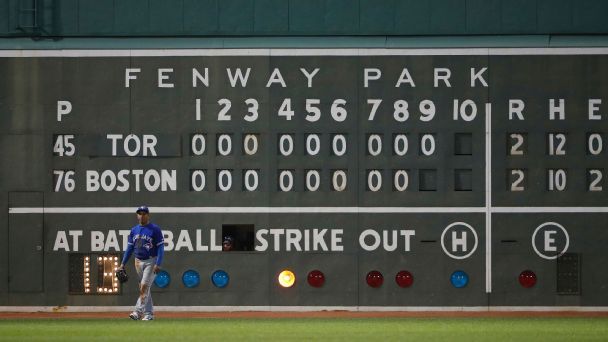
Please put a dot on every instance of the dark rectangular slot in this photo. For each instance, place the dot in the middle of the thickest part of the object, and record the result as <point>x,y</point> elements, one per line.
<point>237,237</point>
<point>569,274</point>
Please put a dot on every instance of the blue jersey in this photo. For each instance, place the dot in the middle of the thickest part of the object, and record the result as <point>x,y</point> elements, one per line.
<point>145,242</point>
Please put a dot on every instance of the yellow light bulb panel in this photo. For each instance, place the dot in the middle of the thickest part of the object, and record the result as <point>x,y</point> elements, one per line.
<point>93,274</point>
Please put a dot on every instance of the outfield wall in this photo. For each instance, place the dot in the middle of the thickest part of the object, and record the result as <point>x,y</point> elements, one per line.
<point>486,161</point>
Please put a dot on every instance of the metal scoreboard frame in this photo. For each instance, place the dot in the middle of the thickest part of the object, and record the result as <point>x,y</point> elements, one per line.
<point>388,159</point>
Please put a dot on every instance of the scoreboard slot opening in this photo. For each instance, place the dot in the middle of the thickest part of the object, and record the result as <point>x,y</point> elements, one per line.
<point>237,237</point>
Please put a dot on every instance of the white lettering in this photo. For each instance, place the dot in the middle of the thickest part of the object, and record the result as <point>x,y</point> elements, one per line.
<point>260,237</point>
<point>405,77</point>
<point>309,76</point>
<point>557,109</point>
<point>162,77</point>
<point>594,107</point>
<point>459,241</point>
<point>153,180</point>
<point>276,77</point>
<point>63,108</point>
<point>550,241</point>
<point>148,141</point>
<point>197,76</point>
<point>336,240</point>
<point>124,234</point>
<point>213,241</point>
<point>61,242</point>
<point>168,238</point>
<point>129,77</point>
<point>442,74</point>
<point>375,240</point>
<point>478,76</point>
<point>111,241</point>
<point>238,76</point>
<point>183,241</point>
<point>75,234</point>
<point>516,107</point>
<point>293,238</point>
<point>97,239</point>
<point>199,240</point>
<point>407,234</point>
<point>370,74</point>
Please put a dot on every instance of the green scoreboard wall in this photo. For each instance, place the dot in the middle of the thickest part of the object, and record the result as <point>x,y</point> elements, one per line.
<point>475,177</point>
<point>251,18</point>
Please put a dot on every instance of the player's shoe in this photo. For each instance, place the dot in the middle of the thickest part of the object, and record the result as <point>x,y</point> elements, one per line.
<point>148,318</point>
<point>134,315</point>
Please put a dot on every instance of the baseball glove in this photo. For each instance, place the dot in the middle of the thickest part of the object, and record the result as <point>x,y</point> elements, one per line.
<point>122,275</point>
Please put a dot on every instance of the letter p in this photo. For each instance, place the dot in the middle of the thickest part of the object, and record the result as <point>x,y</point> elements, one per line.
<point>63,108</point>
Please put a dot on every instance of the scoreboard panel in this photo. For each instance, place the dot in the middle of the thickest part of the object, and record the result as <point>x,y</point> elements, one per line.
<point>480,173</point>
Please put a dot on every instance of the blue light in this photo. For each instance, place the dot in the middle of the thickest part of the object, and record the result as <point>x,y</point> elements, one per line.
<point>459,279</point>
<point>220,278</point>
<point>191,278</point>
<point>163,279</point>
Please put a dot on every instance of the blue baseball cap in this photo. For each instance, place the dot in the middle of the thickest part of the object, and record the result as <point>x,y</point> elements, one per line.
<point>144,209</point>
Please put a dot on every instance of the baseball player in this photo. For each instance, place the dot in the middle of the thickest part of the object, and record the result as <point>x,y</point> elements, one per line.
<point>147,243</point>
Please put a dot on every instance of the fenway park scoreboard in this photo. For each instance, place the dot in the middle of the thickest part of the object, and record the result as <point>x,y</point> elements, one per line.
<point>373,178</point>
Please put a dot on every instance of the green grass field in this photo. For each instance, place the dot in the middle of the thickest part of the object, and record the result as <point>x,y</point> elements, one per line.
<point>317,329</point>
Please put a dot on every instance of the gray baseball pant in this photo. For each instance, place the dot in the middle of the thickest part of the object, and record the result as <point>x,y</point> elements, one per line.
<point>145,272</point>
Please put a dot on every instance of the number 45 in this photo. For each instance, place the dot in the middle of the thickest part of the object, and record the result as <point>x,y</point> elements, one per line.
<point>63,145</point>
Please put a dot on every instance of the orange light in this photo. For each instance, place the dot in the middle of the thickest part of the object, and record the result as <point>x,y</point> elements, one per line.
<point>287,278</point>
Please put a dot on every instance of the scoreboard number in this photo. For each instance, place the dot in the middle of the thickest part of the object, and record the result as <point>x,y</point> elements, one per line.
<point>400,145</point>
<point>338,180</point>
<point>63,145</point>
<point>222,115</point>
<point>313,180</point>
<point>63,180</point>
<point>224,144</point>
<point>595,144</point>
<point>197,144</point>
<point>516,143</point>
<point>401,180</point>
<point>338,145</point>
<point>313,144</point>
<point>251,180</point>
<point>595,178</point>
<point>224,180</point>
<point>252,110</point>
<point>517,180</point>
<point>197,180</point>
<point>557,179</point>
<point>314,112</point>
<point>557,143</point>
<point>250,144</point>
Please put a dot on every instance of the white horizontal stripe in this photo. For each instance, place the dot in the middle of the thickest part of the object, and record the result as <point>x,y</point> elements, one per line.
<point>309,308</point>
<point>523,210</point>
<point>303,52</point>
<point>304,210</point>
<point>246,210</point>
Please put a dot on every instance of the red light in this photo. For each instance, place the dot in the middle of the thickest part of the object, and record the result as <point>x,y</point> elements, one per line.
<point>374,279</point>
<point>316,278</point>
<point>527,279</point>
<point>404,279</point>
